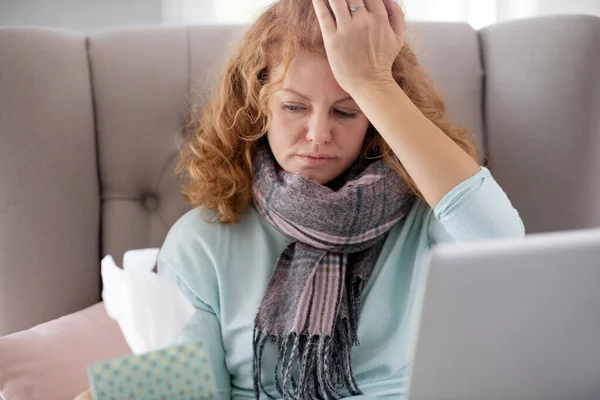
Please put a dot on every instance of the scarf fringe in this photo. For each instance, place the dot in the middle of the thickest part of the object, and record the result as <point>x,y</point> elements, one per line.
<point>324,365</point>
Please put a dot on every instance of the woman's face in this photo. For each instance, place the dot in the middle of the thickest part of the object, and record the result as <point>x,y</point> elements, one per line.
<point>316,130</point>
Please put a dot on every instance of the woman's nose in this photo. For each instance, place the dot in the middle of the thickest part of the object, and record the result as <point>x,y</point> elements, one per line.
<point>319,130</point>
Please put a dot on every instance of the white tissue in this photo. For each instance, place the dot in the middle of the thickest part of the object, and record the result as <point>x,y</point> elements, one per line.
<point>150,309</point>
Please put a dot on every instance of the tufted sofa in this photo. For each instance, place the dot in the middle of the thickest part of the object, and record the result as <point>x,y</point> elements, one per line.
<point>90,126</point>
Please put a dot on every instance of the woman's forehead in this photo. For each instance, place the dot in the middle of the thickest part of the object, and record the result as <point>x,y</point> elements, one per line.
<point>310,77</point>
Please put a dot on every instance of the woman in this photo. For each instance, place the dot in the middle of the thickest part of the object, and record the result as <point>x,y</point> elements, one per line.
<point>321,171</point>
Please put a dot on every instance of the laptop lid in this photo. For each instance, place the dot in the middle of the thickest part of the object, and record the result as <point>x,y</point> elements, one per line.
<point>511,319</point>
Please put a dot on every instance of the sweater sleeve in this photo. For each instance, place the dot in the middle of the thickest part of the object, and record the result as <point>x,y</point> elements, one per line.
<point>477,208</point>
<point>177,261</point>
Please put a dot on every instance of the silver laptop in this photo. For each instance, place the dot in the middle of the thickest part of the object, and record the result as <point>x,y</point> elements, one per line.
<point>511,319</point>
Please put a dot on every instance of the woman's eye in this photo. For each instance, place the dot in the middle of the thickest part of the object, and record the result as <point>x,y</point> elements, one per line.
<point>340,113</point>
<point>292,108</point>
<point>345,114</point>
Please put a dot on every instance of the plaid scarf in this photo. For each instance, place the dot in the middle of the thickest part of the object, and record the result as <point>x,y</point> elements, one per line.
<point>311,306</point>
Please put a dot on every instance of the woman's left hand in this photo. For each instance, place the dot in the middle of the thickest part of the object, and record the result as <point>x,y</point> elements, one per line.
<point>362,45</point>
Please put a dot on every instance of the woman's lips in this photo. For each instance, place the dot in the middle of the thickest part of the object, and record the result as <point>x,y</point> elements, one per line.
<point>315,161</point>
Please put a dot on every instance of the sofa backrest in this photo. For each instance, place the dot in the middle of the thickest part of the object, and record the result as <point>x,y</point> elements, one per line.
<point>90,126</point>
<point>49,191</point>
<point>542,115</point>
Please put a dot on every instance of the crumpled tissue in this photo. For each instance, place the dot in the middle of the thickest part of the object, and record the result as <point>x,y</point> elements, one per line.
<point>150,310</point>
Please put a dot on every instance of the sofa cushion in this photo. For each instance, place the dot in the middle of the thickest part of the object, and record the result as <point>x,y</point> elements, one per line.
<point>49,361</point>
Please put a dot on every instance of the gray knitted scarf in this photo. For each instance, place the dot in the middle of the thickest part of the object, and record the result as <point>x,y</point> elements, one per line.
<point>311,306</point>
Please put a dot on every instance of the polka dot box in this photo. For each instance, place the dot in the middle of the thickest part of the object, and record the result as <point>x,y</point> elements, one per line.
<point>177,372</point>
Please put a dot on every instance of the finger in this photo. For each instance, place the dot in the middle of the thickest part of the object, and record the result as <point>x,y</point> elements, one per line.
<point>395,16</point>
<point>376,6</point>
<point>361,8</point>
<point>87,395</point>
<point>341,11</point>
<point>324,16</point>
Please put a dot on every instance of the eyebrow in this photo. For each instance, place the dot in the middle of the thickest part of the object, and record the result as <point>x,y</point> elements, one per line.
<point>306,97</point>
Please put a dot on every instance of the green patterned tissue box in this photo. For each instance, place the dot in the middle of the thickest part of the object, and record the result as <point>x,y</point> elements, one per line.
<point>177,372</point>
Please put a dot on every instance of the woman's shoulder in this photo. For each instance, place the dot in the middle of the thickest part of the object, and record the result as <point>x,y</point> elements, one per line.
<point>197,248</point>
<point>201,226</point>
<point>197,221</point>
<point>201,239</point>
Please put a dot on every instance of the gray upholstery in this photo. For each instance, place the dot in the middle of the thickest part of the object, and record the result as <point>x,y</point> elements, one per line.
<point>542,108</point>
<point>49,192</point>
<point>450,53</point>
<point>90,125</point>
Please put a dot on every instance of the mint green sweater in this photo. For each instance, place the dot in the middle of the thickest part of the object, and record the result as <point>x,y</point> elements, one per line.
<point>224,271</point>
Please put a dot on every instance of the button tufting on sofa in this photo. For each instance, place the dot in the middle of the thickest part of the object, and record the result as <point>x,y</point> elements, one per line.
<point>151,203</point>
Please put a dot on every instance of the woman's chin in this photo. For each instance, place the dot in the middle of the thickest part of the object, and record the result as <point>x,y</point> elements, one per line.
<point>315,175</point>
<point>312,177</point>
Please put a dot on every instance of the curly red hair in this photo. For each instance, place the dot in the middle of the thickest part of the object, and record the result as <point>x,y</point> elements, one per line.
<point>216,161</point>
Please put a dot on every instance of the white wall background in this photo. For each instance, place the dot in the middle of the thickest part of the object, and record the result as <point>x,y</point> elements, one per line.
<point>82,15</point>
<point>477,12</point>
<point>515,9</point>
<point>85,15</point>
